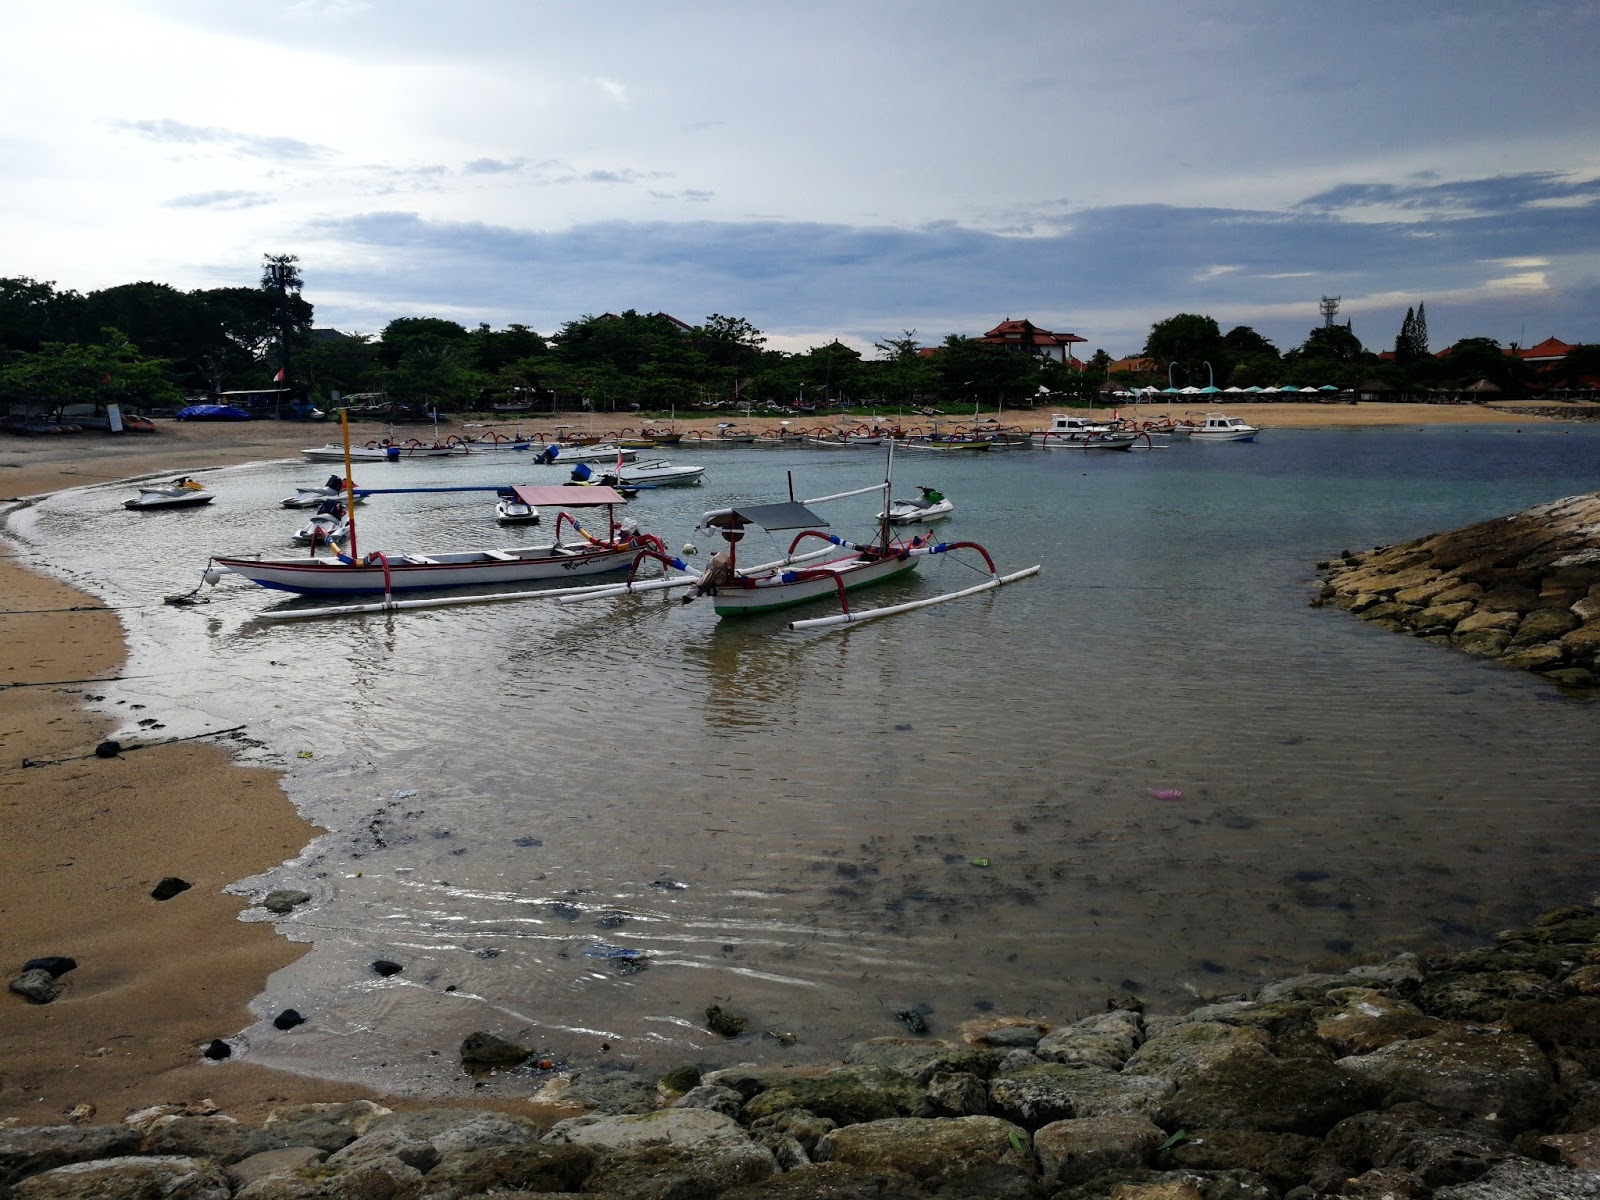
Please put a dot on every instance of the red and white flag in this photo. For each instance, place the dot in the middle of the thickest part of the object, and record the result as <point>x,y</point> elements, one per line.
<point>278,378</point>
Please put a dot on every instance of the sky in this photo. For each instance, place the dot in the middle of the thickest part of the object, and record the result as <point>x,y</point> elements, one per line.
<point>848,169</point>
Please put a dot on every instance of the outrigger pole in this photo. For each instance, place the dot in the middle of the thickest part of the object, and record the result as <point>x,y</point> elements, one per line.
<point>867,614</point>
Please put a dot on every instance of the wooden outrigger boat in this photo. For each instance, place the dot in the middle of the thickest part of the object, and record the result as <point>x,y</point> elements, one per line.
<point>799,577</point>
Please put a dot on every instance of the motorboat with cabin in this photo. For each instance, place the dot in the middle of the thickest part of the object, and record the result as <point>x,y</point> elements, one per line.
<point>1219,427</point>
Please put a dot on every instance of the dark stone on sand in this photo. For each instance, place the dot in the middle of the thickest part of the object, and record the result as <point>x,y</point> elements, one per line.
<point>37,987</point>
<point>217,1050</point>
<point>386,968</point>
<point>284,900</point>
<point>108,749</point>
<point>486,1050</point>
<point>725,1023</point>
<point>287,1019</point>
<point>57,965</point>
<point>169,887</point>
<point>912,1020</point>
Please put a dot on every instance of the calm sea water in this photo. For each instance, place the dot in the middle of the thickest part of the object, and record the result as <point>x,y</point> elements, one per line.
<point>786,824</point>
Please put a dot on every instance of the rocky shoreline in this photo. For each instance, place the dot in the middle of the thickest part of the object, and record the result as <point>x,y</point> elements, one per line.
<point>1471,1076</point>
<point>1523,590</point>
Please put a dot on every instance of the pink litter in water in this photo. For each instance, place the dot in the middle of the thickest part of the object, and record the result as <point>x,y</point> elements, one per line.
<point>1166,793</point>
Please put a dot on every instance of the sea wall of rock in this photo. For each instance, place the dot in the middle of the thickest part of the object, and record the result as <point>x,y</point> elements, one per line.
<point>1523,590</point>
<point>1472,1076</point>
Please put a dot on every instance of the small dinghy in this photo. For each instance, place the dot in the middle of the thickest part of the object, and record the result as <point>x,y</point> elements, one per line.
<point>330,523</point>
<point>931,505</point>
<point>511,509</point>
<point>311,497</point>
<point>182,492</point>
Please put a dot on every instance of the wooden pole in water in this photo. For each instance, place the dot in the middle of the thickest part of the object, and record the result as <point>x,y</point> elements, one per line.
<point>349,483</point>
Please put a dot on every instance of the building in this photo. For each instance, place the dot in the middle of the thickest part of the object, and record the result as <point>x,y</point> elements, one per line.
<point>1551,350</point>
<point>1026,337</point>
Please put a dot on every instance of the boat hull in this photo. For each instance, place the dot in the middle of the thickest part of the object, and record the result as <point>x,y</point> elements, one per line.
<point>159,503</point>
<point>1207,435</point>
<point>748,601</point>
<point>328,576</point>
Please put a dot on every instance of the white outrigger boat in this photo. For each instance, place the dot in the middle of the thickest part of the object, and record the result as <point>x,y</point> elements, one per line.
<point>386,451</point>
<point>182,492</point>
<point>380,572</point>
<point>798,578</point>
<point>930,505</point>
<point>1067,432</point>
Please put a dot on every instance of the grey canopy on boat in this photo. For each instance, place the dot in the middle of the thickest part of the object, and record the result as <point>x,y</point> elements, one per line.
<point>787,515</point>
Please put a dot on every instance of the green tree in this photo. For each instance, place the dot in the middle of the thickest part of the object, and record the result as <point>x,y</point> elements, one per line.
<point>112,369</point>
<point>1472,359</point>
<point>33,313</point>
<point>1190,341</point>
<point>1336,342</point>
<point>492,350</point>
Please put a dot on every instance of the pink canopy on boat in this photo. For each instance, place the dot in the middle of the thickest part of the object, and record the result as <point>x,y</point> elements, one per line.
<point>563,496</point>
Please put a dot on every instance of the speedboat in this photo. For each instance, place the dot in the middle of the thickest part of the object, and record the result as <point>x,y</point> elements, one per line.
<point>1068,430</point>
<point>1219,427</point>
<point>511,509</point>
<point>311,497</point>
<point>182,492</point>
<point>567,452</point>
<point>329,524</point>
<point>931,505</point>
<point>661,474</point>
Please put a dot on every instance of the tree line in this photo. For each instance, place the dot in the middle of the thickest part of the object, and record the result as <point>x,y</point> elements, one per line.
<point>153,346</point>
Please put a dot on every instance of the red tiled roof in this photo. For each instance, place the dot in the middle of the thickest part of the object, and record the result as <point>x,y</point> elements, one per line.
<point>1549,348</point>
<point>1011,331</point>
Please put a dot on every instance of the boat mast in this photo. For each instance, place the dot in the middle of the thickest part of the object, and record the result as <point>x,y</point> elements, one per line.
<point>349,482</point>
<point>888,492</point>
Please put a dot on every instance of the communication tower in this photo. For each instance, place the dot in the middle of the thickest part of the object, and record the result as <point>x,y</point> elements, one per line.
<point>1330,310</point>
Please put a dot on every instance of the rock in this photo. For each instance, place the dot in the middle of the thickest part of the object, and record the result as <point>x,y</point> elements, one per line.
<point>1523,1179</point>
<point>1170,1051</point>
<point>686,1128</point>
<point>1463,1070</point>
<point>1544,625</point>
<point>611,1093</point>
<point>36,986</point>
<point>160,1178</point>
<point>848,1095</point>
<point>722,1100</point>
<point>284,900</point>
<point>538,1168</point>
<point>1035,1096</point>
<point>1074,1151</point>
<point>1482,643</point>
<point>1260,1092</point>
<point>679,1081</point>
<point>327,1126</point>
<point>1431,1147</point>
<point>724,1023</point>
<point>958,1094</point>
<point>1581,1150</point>
<point>1301,987</point>
<point>382,966</point>
<point>795,1123</point>
<point>381,1179</point>
<point>830,1181</point>
<point>383,1147</point>
<point>1004,1033</point>
<point>217,1050</point>
<point>1283,1159</point>
<point>1441,617</point>
<point>1479,995</point>
<point>222,1139</point>
<point>667,1172</point>
<point>1534,658</point>
<point>486,1050</point>
<point>107,749</point>
<point>1401,969</point>
<point>1017,1060</point>
<point>287,1019</point>
<point>169,887</point>
<point>966,1152</point>
<point>921,1058</point>
<point>1365,1020</point>
<point>749,1081</point>
<point>448,1129</point>
<point>57,964</point>
<point>272,1162</point>
<point>31,1149</point>
<point>1103,1040</point>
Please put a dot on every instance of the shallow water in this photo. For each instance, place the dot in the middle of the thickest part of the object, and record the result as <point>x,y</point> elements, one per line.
<point>787,823</point>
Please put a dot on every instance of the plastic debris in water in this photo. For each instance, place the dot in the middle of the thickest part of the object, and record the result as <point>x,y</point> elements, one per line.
<point>1165,793</point>
<point>980,862</point>
<point>405,793</point>
<point>304,754</point>
<point>606,950</point>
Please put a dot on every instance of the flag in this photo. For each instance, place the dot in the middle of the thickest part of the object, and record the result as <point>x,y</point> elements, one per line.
<point>278,378</point>
<point>106,380</point>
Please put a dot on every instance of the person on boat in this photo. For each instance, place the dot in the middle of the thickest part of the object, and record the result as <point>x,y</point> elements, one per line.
<point>719,570</point>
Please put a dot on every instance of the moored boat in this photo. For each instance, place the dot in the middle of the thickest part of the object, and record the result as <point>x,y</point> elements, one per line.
<point>929,505</point>
<point>182,492</point>
<point>329,525</point>
<point>511,509</point>
<point>1219,427</point>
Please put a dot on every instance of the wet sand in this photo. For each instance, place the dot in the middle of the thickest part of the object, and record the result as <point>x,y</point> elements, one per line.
<point>83,840</point>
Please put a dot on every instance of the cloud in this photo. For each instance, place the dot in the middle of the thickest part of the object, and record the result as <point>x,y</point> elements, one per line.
<point>493,166</point>
<point>226,201</point>
<point>611,87</point>
<point>253,145</point>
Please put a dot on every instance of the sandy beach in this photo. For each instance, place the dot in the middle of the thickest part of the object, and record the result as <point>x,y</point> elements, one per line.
<point>83,840</point>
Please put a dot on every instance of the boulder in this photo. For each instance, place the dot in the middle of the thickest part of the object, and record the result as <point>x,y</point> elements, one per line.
<point>921,1058</point>
<point>1581,1150</point>
<point>448,1129</point>
<point>1524,1179</point>
<point>1544,625</point>
<point>1074,1151</point>
<point>284,900</point>
<point>37,986</point>
<point>287,1161</point>
<point>695,1129</point>
<point>1283,1159</point>
<point>1468,1070</point>
<point>326,1126</point>
<point>1103,1040</point>
<point>723,1100</point>
<point>1004,1033</point>
<point>666,1172</point>
<point>1262,1092</point>
<point>541,1168</point>
<point>957,1094</point>
<point>1482,643</point>
<point>1037,1095</point>
<point>487,1051</point>
<point>215,1137</point>
<point>796,1124</point>
<point>830,1181</point>
<point>613,1092</point>
<point>1542,657</point>
<point>847,1096</point>
<point>380,1179</point>
<point>166,1177</point>
<point>943,1155</point>
<point>1480,995</point>
<point>1173,1049</point>
<point>34,1148</point>
<point>1362,1020</point>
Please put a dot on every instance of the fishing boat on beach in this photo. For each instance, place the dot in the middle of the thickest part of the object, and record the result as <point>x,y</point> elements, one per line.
<point>837,568</point>
<point>346,571</point>
<point>182,492</point>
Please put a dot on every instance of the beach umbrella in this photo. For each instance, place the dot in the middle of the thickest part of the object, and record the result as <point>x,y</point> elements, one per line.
<point>1327,387</point>
<point>1210,389</point>
<point>1191,390</point>
<point>1232,390</point>
<point>1288,387</point>
<point>1170,391</point>
<point>1253,388</point>
<point>1272,391</point>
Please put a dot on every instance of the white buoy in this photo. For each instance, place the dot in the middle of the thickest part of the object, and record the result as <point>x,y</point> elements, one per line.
<point>689,550</point>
